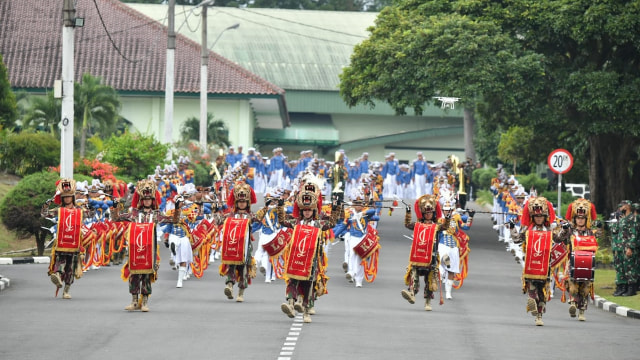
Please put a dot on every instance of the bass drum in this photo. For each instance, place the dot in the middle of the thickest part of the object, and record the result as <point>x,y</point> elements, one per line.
<point>582,265</point>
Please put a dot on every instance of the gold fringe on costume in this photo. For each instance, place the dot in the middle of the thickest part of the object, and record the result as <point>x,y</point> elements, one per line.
<point>78,270</point>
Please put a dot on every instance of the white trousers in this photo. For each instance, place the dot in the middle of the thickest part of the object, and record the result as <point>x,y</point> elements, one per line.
<point>356,269</point>
<point>183,249</point>
<point>276,179</point>
<point>262,257</point>
<point>420,183</point>
<point>454,259</point>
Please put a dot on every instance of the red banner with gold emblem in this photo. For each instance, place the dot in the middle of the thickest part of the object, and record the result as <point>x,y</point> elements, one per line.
<point>538,253</point>
<point>303,250</point>
<point>235,236</point>
<point>584,243</point>
<point>68,236</point>
<point>369,243</point>
<point>559,254</point>
<point>424,236</point>
<point>142,253</point>
<point>201,234</point>
<point>278,243</point>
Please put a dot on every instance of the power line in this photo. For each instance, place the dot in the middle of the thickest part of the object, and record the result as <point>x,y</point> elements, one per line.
<point>307,25</point>
<point>287,31</point>
<point>109,36</point>
<point>191,12</point>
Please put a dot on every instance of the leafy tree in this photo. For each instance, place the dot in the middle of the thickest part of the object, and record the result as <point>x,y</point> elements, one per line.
<point>28,152</point>
<point>96,108</point>
<point>20,208</point>
<point>421,50</point>
<point>135,155</point>
<point>8,105</point>
<point>566,68</point>
<point>217,131</point>
<point>514,145</point>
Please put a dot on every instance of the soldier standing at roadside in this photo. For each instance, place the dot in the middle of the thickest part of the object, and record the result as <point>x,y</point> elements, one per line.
<point>617,251</point>
<point>626,245</point>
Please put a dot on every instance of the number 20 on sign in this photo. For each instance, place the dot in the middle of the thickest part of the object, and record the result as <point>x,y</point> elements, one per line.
<point>560,161</point>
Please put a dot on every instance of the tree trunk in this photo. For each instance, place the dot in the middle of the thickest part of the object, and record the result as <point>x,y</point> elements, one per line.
<point>469,124</point>
<point>610,180</point>
<point>41,236</point>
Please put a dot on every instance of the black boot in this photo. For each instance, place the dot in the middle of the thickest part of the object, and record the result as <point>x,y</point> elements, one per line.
<point>622,288</point>
<point>631,290</point>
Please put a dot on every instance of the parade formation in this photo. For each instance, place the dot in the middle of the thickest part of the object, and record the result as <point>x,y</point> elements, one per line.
<point>312,204</point>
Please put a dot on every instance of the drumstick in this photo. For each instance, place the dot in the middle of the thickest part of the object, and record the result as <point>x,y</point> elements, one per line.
<point>440,287</point>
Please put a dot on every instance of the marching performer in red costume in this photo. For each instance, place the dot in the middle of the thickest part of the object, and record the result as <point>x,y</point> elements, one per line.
<point>306,261</point>
<point>536,236</point>
<point>65,262</point>
<point>582,246</point>
<point>238,265</point>
<point>141,268</point>
<point>423,259</point>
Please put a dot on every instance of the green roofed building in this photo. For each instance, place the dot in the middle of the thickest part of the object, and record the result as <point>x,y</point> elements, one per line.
<point>303,52</point>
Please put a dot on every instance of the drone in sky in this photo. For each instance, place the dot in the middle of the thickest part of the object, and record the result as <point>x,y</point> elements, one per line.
<point>447,102</point>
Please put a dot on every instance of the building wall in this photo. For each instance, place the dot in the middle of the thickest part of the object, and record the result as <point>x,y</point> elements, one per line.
<point>147,115</point>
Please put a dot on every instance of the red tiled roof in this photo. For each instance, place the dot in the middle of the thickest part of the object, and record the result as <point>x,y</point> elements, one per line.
<point>31,44</point>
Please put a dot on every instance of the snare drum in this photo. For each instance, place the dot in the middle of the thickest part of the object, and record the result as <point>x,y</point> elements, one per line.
<point>582,265</point>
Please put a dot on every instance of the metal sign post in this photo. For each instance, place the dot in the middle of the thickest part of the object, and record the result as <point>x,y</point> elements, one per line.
<point>560,162</point>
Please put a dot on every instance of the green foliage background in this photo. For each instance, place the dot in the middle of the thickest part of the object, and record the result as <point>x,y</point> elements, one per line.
<point>135,155</point>
<point>28,152</point>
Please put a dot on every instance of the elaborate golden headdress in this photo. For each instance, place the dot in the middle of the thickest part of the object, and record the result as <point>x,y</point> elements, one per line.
<point>308,197</point>
<point>241,191</point>
<point>427,203</point>
<point>538,206</point>
<point>146,189</point>
<point>64,187</point>
<point>581,207</point>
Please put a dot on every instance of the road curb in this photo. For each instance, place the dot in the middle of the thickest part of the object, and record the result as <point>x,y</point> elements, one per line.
<point>25,260</point>
<point>612,307</point>
<point>4,283</point>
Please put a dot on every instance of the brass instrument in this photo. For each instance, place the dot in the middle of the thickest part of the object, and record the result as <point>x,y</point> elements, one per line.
<point>337,181</point>
<point>459,171</point>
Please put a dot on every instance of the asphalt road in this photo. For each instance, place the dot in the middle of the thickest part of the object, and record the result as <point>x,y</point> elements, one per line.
<point>485,320</point>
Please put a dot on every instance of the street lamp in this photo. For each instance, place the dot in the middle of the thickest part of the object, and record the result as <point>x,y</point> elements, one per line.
<point>232,27</point>
<point>203,76</point>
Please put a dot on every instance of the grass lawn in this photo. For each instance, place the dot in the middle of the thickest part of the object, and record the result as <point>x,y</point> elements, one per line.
<point>605,285</point>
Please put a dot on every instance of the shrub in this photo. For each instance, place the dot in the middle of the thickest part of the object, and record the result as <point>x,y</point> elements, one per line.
<point>532,180</point>
<point>135,155</point>
<point>20,208</point>
<point>28,152</point>
<point>482,177</point>
<point>202,177</point>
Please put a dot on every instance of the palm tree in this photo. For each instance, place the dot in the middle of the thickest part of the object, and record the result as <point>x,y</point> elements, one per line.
<point>44,114</point>
<point>96,108</point>
<point>217,132</point>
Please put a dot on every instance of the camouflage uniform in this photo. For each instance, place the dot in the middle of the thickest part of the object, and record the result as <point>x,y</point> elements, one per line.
<point>625,238</point>
<point>628,233</point>
<point>618,256</point>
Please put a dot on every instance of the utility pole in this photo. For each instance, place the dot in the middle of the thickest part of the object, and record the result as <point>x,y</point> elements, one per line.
<point>171,49</point>
<point>66,123</point>
<point>204,88</point>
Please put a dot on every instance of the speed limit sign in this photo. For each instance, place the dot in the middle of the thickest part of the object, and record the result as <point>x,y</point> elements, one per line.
<point>560,161</point>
